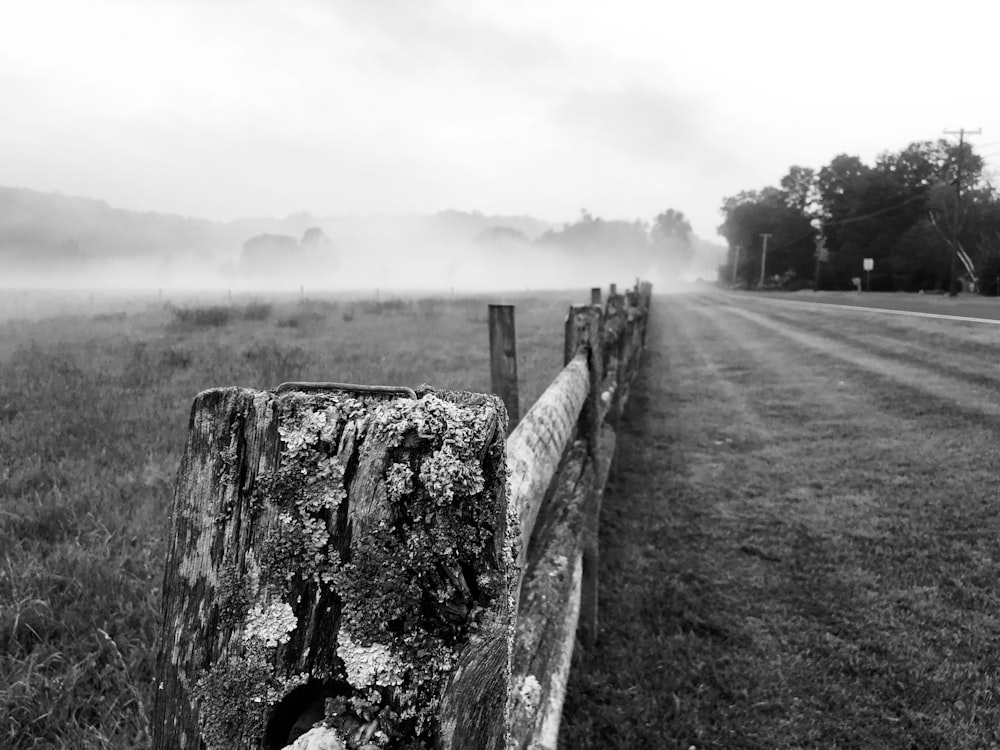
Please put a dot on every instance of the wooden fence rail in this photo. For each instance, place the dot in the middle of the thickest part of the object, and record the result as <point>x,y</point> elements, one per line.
<point>363,567</point>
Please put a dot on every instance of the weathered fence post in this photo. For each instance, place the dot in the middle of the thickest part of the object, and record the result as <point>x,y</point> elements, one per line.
<point>645,291</point>
<point>338,557</point>
<point>587,333</point>
<point>503,359</point>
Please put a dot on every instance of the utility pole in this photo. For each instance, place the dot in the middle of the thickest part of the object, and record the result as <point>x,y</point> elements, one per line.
<point>736,264</point>
<point>821,255</point>
<point>961,133</point>
<point>763,257</point>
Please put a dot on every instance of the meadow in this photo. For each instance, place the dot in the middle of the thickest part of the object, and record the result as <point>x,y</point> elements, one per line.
<point>95,395</point>
<point>803,546</point>
<point>800,543</point>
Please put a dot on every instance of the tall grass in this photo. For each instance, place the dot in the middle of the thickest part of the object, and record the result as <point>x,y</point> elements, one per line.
<point>93,416</point>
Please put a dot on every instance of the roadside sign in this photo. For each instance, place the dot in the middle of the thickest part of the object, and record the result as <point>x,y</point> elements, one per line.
<point>869,264</point>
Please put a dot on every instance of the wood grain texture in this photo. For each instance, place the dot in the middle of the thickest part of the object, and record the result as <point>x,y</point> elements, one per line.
<point>326,550</point>
<point>503,360</point>
<point>300,521</point>
<point>547,735</point>
<point>550,588</point>
<point>589,625</point>
<point>535,447</point>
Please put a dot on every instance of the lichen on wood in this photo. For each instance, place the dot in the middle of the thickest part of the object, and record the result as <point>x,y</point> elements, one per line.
<point>355,543</point>
<point>536,447</point>
<point>549,593</point>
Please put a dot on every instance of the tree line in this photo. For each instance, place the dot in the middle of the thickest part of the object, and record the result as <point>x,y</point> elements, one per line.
<point>927,216</point>
<point>668,239</point>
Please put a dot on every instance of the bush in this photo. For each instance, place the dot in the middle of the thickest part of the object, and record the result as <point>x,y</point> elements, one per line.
<point>256,311</point>
<point>203,317</point>
<point>176,359</point>
<point>276,364</point>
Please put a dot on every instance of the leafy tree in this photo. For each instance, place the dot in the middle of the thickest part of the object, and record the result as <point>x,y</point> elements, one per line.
<point>903,211</point>
<point>791,247</point>
<point>594,236</point>
<point>315,237</point>
<point>801,190</point>
<point>270,254</point>
<point>672,224</point>
<point>501,236</point>
<point>672,236</point>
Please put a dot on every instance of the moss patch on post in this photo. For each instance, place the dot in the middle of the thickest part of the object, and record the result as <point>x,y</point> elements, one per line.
<point>372,582</point>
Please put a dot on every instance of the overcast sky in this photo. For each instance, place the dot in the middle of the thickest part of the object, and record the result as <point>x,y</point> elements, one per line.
<point>228,108</point>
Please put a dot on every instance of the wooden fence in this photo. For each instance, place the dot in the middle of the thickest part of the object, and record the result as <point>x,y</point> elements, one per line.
<point>390,562</point>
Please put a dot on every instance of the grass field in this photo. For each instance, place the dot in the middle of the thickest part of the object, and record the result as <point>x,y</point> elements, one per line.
<point>93,417</point>
<point>802,545</point>
<point>966,305</point>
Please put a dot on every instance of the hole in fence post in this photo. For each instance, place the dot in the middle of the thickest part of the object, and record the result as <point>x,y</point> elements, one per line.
<point>503,360</point>
<point>295,714</point>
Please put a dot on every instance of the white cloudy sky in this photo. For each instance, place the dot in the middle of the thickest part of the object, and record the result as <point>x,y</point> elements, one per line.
<point>226,108</point>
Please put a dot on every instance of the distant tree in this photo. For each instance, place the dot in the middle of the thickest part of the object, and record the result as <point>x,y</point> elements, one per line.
<point>606,245</point>
<point>672,224</point>
<point>801,189</point>
<point>315,237</point>
<point>672,236</point>
<point>904,212</point>
<point>501,236</point>
<point>791,246</point>
<point>592,234</point>
<point>319,249</point>
<point>270,254</point>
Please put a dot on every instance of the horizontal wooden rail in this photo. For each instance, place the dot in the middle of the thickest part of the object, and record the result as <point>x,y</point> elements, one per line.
<point>559,587</point>
<point>386,569</point>
<point>536,446</point>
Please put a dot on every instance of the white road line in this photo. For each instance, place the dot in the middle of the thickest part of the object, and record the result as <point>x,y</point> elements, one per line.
<point>910,313</point>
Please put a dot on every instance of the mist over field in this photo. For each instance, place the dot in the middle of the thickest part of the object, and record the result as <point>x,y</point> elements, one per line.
<point>51,241</point>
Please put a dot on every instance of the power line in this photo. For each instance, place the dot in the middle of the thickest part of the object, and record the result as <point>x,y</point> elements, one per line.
<point>872,214</point>
<point>852,219</point>
<point>862,217</point>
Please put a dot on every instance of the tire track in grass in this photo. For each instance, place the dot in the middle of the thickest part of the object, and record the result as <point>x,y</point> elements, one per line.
<point>912,345</point>
<point>832,407</point>
<point>689,574</point>
<point>767,618</point>
<point>718,377</point>
<point>962,394</point>
<point>637,688</point>
<point>931,570</point>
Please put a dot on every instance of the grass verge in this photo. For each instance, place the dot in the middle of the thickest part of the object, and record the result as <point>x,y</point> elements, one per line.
<point>93,418</point>
<point>798,551</point>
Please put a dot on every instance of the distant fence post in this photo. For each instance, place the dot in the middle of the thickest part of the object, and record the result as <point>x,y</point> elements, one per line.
<point>503,359</point>
<point>588,334</point>
<point>645,292</point>
<point>341,573</point>
<point>344,557</point>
